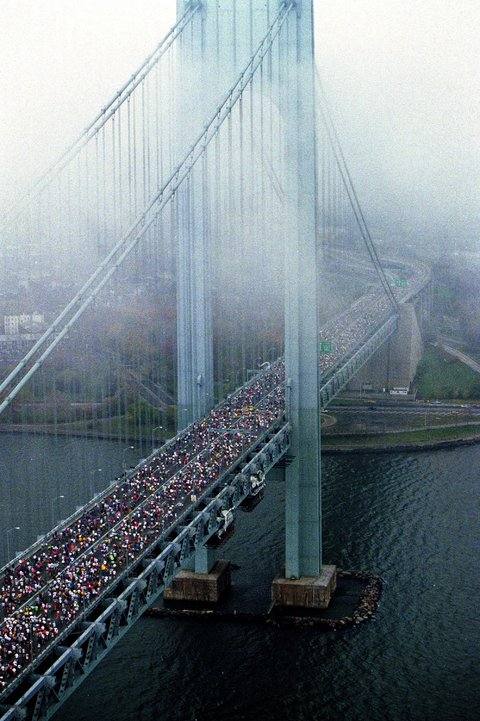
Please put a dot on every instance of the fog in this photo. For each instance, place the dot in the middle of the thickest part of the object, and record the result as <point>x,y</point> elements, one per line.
<point>402,77</point>
<point>151,285</point>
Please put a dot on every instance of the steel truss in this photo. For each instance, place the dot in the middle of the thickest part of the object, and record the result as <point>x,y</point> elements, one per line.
<point>343,374</point>
<point>144,581</point>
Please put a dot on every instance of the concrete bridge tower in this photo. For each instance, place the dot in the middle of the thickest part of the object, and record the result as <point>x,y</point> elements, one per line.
<point>307,581</point>
<point>227,34</point>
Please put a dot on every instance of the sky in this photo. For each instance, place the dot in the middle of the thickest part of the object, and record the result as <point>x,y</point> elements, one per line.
<point>403,77</point>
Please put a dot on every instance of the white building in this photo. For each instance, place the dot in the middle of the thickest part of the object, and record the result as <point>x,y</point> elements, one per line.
<point>13,324</point>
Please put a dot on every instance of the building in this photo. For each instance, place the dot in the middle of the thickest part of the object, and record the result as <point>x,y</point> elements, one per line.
<point>15,324</point>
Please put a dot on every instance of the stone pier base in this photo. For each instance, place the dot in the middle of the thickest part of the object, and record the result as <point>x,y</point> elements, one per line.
<point>188,586</point>
<point>306,592</point>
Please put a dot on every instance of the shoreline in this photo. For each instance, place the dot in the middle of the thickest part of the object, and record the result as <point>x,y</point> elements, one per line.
<point>328,448</point>
<point>75,433</point>
<point>406,447</point>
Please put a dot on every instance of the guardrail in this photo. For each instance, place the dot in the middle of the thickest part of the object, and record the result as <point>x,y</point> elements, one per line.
<point>120,480</point>
<point>345,373</point>
<point>159,563</point>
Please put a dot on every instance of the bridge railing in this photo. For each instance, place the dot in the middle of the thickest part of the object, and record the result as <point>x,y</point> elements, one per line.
<point>344,373</point>
<point>125,477</point>
<point>193,528</point>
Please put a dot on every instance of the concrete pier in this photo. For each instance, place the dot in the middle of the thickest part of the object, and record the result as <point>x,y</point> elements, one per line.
<point>191,587</point>
<point>306,592</point>
<point>355,601</point>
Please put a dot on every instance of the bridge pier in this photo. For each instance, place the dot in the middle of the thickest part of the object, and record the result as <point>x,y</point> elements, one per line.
<point>396,363</point>
<point>202,561</point>
<point>203,580</point>
<point>308,592</point>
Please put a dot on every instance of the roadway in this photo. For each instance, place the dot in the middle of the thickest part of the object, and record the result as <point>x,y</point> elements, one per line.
<point>459,355</point>
<point>60,579</point>
<point>45,589</point>
<point>376,417</point>
<point>374,407</point>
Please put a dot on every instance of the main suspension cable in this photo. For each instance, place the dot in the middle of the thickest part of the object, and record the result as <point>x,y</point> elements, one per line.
<point>350,188</point>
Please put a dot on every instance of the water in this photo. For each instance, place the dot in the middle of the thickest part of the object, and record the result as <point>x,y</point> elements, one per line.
<point>414,520</point>
<point>44,479</point>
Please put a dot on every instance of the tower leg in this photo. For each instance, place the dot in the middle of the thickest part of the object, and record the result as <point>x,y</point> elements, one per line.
<point>194,304</point>
<point>202,580</point>
<point>306,582</point>
<point>203,560</point>
<point>194,308</point>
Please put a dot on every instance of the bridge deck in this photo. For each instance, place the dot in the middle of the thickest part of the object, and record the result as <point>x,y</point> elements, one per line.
<point>60,582</point>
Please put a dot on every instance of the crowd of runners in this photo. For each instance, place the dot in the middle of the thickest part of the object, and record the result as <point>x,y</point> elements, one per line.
<point>42,593</point>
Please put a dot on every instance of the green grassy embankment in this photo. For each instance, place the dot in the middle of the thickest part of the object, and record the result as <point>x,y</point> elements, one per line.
<point>440,377</point>
<point>414,438</point>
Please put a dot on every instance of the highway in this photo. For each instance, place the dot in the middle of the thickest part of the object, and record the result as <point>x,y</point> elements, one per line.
<point>58,580</point>
<point>459,355</point>
<point>414,408</point>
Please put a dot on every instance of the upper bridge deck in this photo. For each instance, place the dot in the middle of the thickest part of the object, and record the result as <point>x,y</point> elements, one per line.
<point>67,577</point>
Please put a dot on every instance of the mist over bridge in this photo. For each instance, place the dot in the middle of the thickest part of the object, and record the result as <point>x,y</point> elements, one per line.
<point>137,206</point>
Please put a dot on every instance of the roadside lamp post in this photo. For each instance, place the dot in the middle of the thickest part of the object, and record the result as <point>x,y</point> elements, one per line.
<point>157,428</point>
<point>92,487</point>
<point>52,506</point>
<point>8,536</point>
<point>30,628</point>
<point>124,463</point>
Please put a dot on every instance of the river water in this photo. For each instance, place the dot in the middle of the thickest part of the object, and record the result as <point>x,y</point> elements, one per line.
<point>411,518</point>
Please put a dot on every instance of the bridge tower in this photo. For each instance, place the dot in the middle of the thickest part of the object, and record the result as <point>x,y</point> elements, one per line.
<point>210,59</point>
<point>219,49</point>
<point>307,582</point>
<point>224,34</point>
<point>194,303</point>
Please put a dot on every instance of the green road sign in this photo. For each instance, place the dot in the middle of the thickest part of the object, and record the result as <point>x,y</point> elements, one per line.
<point>325,346</point>
<point>401,282</point>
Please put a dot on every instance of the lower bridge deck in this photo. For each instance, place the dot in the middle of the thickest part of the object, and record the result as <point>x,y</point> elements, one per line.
<point>73,595</point>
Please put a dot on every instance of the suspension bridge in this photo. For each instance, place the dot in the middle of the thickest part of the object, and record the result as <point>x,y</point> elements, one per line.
<point>214,279</point>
